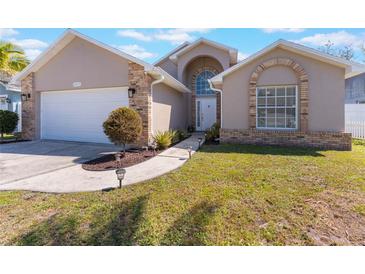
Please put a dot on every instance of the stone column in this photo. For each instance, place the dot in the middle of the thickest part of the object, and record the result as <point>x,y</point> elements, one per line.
<point>142,99</point>
<point>28,108</point>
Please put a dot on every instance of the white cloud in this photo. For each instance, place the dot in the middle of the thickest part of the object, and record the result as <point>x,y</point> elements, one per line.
<point>31,47</point>
<point>340,38</point>
<point>137,51</point>
<point>292,30</point>
<point>7,33</point>
<point>241,56</point>
<point>32,53</point>
<point>174,36</point>
<point>29,43</point>
<point>178,36</point>
<point>134,34</point>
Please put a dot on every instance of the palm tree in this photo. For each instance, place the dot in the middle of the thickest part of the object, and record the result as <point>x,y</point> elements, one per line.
<point>12,58</point>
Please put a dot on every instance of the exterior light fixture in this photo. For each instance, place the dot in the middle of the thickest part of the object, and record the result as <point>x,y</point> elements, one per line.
<point>200,139</point>
<point>24,97</point>
<point>190,148</point>
<point>7,100</point>
<point>131,92</point>
<point>120,175</point>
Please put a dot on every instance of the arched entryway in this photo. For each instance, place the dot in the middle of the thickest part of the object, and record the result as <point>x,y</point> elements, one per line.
<point>205,103</point>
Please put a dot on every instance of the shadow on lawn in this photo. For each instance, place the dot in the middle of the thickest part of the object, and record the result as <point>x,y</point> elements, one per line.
<point>190,227</point>
<point>114,225</point>
<point>261,149</point>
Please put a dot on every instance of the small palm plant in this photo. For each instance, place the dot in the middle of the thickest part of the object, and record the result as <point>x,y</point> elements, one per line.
<point>164,139</point>
<point>12,58</point>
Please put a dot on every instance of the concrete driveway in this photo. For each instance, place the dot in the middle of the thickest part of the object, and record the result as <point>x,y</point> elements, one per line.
<point>25,160</point>
<point>55,166</point>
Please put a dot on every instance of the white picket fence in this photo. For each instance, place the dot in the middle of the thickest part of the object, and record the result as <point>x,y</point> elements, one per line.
<point>355,120</point>
<point>357,129</point>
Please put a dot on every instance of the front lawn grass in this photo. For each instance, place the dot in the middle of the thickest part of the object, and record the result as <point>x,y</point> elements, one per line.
<point>225,195</point>
<point>8,137</point>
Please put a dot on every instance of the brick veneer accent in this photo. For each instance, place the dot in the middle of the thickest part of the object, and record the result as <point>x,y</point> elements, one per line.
<point>193,94</point>
<point>28,109</point>
<point>322,140</point>
<point>303,89</point>
<point>142,99</point>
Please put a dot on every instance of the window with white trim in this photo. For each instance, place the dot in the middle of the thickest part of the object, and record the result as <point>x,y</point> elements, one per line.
<point>277,107</point>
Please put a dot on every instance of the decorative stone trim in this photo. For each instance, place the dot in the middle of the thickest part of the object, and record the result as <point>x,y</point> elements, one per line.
<point>302,84</point>
<point>142,99</point>
<point>321,140</point>
<point>28,109</point>
<point>193,94</point>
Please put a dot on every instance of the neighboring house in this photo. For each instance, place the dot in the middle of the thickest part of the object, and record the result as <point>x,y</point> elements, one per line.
<point>10,97</point>
<point>355,89</point>
<point>286,94</point>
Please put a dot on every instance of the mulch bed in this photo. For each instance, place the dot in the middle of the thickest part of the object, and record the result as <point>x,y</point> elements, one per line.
<point>108,162</point>
<point>132,157</point>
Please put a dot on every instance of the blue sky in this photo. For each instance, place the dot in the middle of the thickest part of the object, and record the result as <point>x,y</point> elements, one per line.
<point>152,44</point>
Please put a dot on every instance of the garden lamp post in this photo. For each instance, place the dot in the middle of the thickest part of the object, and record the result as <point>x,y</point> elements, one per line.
<point>120,175</point>
<point>200,139</point>
<point>154,147</point>
<point>190,148</point>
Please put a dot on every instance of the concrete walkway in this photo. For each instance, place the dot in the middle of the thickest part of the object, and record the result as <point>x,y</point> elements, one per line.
<point>76,179</point>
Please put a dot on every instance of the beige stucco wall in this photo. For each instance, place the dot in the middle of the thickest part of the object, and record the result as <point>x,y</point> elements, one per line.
<point>326,91</point>
<point>169,108</point>
<point>81,61</point>
<point>201,50</point>
<point>278,75</point>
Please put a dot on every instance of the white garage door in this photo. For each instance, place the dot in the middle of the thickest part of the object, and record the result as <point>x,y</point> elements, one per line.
<point>78,115</point>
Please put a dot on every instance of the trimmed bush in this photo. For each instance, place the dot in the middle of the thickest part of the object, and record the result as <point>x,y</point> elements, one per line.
<point>180,135</point>
<point>123,126</point>
<point>212,133</point>
<point>164,139</point>
<point>8,122</point>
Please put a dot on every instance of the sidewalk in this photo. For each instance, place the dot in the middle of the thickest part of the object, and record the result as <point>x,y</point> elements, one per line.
<point>76,179</point>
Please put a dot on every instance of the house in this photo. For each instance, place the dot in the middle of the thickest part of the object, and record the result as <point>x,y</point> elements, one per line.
<point>355,89</point>
<point>10,96</point>
<point>355,103</point>
<point>285,94</point>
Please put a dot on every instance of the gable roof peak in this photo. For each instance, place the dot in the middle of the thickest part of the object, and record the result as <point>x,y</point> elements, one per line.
<point>232,51</point>
<point>296,48</point>
<point>66,37</point>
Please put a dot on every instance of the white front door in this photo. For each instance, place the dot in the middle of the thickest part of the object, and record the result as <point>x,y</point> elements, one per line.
<point>206,112</point>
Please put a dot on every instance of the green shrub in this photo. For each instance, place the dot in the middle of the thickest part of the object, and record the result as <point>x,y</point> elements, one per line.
<point>8,122</point>
<point>174,136</point>
<point>181,135</point>
<point>359,142</point>
<point>164,139</point>
<point>212,133</point>
<point>123,126</point>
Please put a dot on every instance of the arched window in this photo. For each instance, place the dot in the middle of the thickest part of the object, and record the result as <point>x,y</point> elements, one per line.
<point>201,85</point>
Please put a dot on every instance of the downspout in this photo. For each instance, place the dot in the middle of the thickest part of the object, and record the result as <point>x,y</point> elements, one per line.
<point>220,91</point>
<point>157,81</point>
